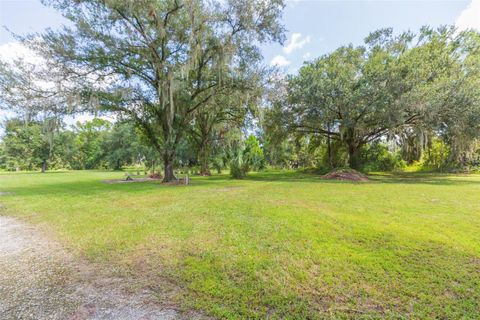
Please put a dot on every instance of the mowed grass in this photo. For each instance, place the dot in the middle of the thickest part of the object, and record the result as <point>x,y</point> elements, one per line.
<point>277,244</point>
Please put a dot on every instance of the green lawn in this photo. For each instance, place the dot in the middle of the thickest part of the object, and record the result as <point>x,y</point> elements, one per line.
<point>278,244</point>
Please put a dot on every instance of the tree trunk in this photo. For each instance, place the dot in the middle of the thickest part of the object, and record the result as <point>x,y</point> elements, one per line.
<point>152,167</point>
<point>353,156</point>
<point>329,151</point>
<point>204,170</point>
<point>168,161</point>
<point>204,156</point>
<point>44,166</point>
<point>329,148</point>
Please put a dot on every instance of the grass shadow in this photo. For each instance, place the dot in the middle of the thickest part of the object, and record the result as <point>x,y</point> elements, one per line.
<point>97,186</point>
<point>426,178</point>
<point>376,177</point>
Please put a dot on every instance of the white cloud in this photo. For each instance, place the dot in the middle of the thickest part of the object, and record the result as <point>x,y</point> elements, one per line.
<point>15,54</point>
<point>307,55</point>
<point>296,42</point>
<point>279,61</point>
<point>11,51</point>
<point>470,17</point>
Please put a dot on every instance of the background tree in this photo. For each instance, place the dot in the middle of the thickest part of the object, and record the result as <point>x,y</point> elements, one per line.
<point>391,86</point>
<point>89,139</point>
<point>352,95</point>
<point>35,98</point>
<point>221,112</point>
<point>26,146</point>
<point>253,154</point>
<point>156,63</point>
<point>456,99</point>
<point>123,145</point>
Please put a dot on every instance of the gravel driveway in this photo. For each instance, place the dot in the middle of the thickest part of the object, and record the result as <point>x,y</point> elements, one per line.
<point>40,280</point>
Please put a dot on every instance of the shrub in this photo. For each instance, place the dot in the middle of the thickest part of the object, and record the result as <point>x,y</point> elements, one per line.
<point>253,157</point>
<point>437,155</point>
<point>237,167</point>
<point>377,157</point>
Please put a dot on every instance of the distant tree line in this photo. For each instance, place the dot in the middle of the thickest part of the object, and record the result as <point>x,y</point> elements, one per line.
<point>100,144</point>
<point>90,145</point>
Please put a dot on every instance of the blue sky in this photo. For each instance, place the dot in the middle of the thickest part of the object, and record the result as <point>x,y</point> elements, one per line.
<point>314,27</point>
<point>322,26</point>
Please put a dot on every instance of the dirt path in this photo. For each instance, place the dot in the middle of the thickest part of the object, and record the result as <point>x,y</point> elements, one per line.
<point>40,280</point>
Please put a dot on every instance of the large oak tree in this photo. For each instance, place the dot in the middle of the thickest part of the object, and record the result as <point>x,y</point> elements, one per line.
<point>356,95</point>
<point>157,62</point>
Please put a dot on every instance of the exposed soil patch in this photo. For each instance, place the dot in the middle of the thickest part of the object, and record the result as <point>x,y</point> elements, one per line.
<point>345,175</point>
<point>156,175</point>
<point>4,193</point>
<point>41,280</point>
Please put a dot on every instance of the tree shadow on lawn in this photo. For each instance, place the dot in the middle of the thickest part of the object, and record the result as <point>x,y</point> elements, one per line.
<point>96,186</point>
<point>390,178</point>
<point>426,178</point>
<point>25,173</point>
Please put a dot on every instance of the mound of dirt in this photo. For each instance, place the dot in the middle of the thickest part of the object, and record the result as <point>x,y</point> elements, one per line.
<point>345,175</point>
<point>156,175</point>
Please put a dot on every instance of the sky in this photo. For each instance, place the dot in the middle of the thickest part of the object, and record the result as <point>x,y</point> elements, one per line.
<point>318,27</point>
<point>314,27</point>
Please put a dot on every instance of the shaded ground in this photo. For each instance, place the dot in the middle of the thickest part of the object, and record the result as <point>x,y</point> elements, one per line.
<point>40,280</point>
<point>132,180</point>
<point>181,181</point>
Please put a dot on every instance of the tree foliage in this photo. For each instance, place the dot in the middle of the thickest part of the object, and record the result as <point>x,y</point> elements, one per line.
<point>390,86</point>
<point>186,84</point>
<point>157,62</point>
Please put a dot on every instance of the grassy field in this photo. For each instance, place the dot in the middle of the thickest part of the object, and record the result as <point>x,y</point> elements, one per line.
<point>277,244</point>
